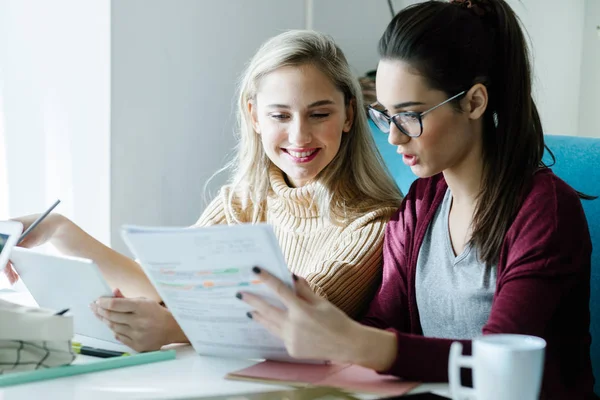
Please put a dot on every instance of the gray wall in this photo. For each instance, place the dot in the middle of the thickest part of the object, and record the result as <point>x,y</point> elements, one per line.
<point>356,26</point>
<point>589,103</point>
<point>556,32</point>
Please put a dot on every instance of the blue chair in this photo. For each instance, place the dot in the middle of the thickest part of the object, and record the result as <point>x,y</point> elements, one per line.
<point>578,164</point>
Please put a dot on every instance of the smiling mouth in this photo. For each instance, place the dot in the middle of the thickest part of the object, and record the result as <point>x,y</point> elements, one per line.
<point>302,156</point>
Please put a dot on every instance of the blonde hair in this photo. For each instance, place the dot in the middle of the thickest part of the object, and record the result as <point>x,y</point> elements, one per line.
<point>355,182</point>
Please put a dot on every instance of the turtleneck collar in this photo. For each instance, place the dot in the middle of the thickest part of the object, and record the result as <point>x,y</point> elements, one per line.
<point>296,201</point>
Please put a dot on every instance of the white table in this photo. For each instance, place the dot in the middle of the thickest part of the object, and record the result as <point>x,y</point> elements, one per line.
<point>190,375</point>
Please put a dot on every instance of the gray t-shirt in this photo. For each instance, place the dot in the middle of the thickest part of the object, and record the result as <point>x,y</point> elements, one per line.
<point>454,293</point>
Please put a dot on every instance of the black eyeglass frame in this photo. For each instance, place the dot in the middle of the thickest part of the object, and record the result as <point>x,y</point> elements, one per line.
<point>417,115</point>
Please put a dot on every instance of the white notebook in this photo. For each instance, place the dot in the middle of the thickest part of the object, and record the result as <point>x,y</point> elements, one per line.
<point>198,271</point>
<point>58,282</point>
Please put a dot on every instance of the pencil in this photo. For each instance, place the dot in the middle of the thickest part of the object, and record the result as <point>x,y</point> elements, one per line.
<point>37,221</point>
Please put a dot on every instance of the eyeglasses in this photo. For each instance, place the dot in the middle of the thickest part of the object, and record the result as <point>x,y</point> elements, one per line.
<point>409,122</point>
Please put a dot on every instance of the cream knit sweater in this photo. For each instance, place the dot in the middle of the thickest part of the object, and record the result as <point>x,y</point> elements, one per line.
<point>341,263</point>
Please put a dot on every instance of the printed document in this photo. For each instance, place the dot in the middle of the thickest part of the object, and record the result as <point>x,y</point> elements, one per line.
<point>198,271</point>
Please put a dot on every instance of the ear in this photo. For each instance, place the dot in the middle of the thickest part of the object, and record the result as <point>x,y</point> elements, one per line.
<point>350,111</point>
<point>253,116</point>
<point>476,101</point>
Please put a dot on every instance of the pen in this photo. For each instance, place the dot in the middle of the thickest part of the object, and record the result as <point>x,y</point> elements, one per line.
<point>95,352</point>
<point>37,221</point>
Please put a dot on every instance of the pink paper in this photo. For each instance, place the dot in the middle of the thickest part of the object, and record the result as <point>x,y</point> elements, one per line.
<point>350,377</point>
<point>289,372</point>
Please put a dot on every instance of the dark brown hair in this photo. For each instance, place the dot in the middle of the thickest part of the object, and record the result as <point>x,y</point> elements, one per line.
<point>454,46</point>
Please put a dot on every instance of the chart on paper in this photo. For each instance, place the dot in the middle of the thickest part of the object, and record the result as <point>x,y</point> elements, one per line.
<point>170,278</point>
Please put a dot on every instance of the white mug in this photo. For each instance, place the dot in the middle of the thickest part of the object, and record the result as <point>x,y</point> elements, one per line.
<point>505,366</point>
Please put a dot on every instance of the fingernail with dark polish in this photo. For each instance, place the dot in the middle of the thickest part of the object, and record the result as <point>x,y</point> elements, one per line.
<point>249,314</point>
<point>238,295</point>
<point>295,277</point>
<point>256,270</point>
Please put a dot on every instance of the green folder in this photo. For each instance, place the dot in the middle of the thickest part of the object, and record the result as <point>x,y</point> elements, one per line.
<point>17,378</point>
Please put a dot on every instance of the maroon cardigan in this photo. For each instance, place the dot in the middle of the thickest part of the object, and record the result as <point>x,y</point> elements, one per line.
<point>543,285</point>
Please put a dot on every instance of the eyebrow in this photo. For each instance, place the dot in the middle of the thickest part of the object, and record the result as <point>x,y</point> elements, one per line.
<point>407,104</point>
<point>312,105</point>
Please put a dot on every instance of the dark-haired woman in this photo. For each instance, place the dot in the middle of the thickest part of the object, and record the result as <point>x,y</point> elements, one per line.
<point>488,240</point>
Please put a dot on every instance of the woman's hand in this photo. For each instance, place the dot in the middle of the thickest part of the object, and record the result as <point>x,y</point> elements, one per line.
<point>311,327</point>
<point>41,234</point>
<point>10,273</point>
<point>139,323</point>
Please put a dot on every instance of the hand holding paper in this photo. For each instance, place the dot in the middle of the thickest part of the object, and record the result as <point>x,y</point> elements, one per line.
<point>310,327</point>
<point>139,323</point>
<point>313,328</point>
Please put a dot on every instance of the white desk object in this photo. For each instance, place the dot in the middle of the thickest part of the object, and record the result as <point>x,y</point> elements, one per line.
<point>58,282</point>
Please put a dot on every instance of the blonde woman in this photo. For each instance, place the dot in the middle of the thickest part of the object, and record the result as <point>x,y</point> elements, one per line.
<point>306,164</point>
